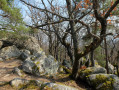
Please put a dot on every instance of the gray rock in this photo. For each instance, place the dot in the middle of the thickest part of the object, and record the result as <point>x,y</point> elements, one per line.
<point>30,67</point>
<point>111,68</point>
<point>18,81</point>
<point>55,86</point>
<point>26,51</point>
<point>24,56</point>
<point>9,52</point>
<point>1,43</point>
<point>51,65</point>
<point>67,64</point>
<point>1,60</point>
<point>18,71</point>
<point>25,42</point>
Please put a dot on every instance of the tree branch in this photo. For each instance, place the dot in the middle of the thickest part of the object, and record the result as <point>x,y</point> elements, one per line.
<point>111,8</point>
<point>42,10</point>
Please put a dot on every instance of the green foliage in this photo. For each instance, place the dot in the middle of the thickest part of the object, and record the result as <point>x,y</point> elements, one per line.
<point>12,12</point>
<point>11,18</point>
<point>33,30</point>
<point>5,34</point>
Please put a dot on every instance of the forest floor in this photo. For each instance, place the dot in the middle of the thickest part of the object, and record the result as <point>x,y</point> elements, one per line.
<point>6,74</point>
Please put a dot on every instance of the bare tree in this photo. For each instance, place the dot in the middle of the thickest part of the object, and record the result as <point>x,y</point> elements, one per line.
<point>73,20</point>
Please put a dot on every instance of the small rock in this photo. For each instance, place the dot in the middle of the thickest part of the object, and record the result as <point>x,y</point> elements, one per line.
<point>18,71</point>
<point>55,86</point>
<point>18,81</point>
<point>2,83</point>
<point>1,59</point>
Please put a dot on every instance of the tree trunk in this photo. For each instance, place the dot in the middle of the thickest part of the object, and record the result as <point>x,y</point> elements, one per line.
<point>92,58</point>
<point>106,56</point>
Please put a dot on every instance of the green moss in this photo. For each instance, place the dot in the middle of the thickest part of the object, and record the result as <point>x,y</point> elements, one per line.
<point>21,86</point>
<point>37,63</point>
<point>106,83</point>
<point>99,79</point>
<point>66,69</point>
<point>85,72</point>
<point>35,69</point>
<point>32,85</point>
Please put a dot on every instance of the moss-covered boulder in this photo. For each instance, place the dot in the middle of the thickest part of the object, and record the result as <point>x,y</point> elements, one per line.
<point>23,84</point>
<point>90,70</point>
<point>103,81</point>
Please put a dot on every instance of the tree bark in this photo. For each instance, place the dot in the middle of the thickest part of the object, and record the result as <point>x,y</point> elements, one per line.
<point>106,56</point>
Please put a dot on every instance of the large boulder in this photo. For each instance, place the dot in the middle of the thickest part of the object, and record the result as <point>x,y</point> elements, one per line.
<point>91,70</point>
<point>51,65</point>
<point>9,52</point>
<point>103,81</point>
<point>41,66</point>
<point>29,66</point>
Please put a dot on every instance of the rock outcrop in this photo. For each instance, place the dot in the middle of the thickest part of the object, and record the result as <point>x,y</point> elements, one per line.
<point>29,51</point>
